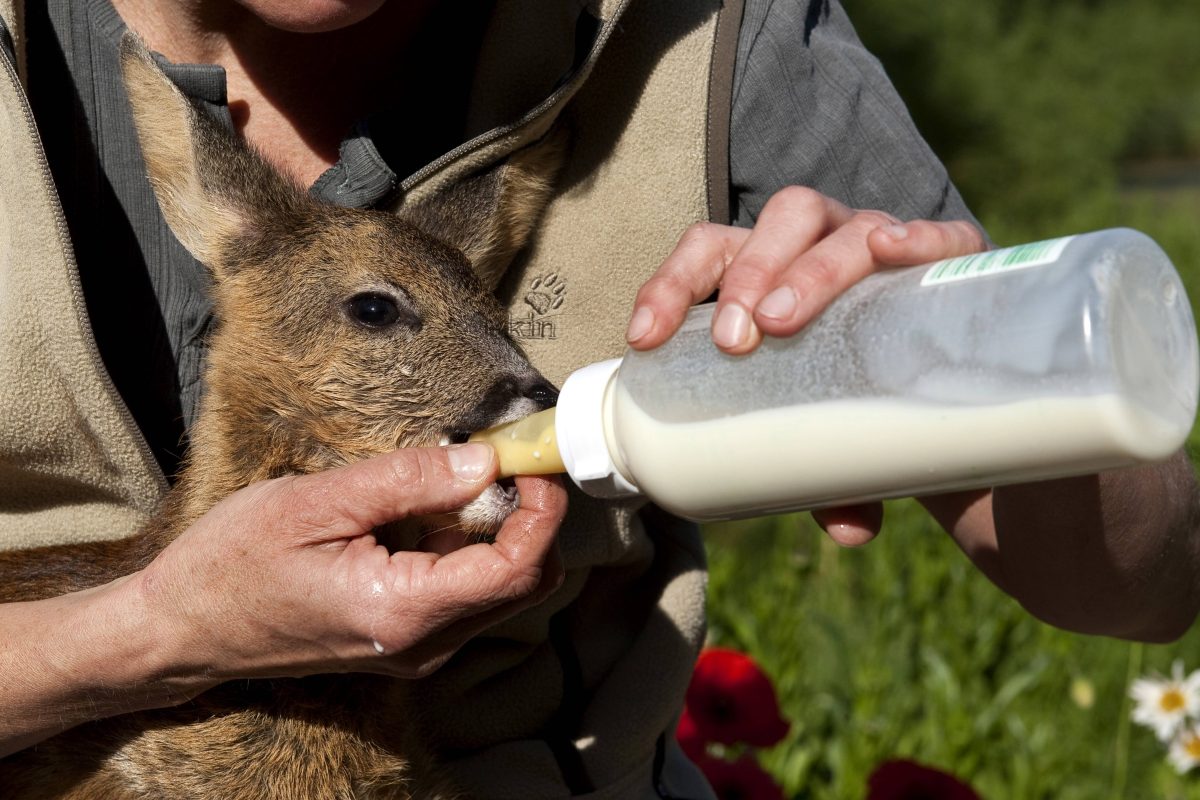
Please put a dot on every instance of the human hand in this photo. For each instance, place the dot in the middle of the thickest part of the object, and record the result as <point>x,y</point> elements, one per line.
<point>804,251</point>
<point>284,578</point>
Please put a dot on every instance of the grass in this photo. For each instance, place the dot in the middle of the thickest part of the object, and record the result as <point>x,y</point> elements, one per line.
<point>903,649</point>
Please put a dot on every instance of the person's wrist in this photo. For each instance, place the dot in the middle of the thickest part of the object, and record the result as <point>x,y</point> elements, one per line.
<point>85,656</point>
<point>166,652</point>
<point>130,652</point>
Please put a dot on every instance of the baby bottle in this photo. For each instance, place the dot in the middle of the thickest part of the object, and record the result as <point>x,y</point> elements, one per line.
<point>1045,360</point>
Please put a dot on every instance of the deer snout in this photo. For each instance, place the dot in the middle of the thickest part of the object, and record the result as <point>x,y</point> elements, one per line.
<point>509,398</point>
<point>538,390</point>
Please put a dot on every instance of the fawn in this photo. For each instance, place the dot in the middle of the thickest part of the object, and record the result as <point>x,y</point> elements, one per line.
<point>341,334</point>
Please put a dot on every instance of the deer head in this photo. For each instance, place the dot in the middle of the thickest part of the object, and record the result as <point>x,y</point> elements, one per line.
<point>340,333</point>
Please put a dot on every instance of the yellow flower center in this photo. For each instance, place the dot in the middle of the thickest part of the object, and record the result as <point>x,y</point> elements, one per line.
<point>1171,700</point>
<point>1191,745</point>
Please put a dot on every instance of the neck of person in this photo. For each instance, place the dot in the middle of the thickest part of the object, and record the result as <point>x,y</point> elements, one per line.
<point>299,73</point>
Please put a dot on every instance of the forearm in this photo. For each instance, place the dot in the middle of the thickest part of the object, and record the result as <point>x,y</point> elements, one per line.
<point>80,657</point>
<point>1116,553</point>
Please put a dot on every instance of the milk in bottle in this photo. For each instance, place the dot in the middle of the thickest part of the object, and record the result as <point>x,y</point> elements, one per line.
<point>1045,360</point>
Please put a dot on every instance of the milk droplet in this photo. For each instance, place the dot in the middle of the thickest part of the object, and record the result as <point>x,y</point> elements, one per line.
<point>378,646</point>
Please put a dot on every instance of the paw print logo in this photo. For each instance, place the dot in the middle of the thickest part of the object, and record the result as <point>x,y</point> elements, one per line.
<point>546,293</point>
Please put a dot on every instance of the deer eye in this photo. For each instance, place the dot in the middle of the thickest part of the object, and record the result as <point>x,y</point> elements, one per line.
<point>373,309</point>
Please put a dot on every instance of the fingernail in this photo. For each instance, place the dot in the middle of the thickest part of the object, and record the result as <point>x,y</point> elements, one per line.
<point>848,535</point>
<point>779,304</point>
<point>731,328</point>
<point>470,461</point>
<point>640,324</point>
<point>896,232</point>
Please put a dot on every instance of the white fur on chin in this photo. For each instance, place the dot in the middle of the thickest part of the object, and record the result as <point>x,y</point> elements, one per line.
<point>484,515</point>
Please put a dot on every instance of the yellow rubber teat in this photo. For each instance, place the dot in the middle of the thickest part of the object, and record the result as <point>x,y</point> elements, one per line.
<point>525,447</point>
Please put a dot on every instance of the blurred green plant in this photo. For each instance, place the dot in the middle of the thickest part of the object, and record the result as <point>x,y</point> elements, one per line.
<point>1036,107</point>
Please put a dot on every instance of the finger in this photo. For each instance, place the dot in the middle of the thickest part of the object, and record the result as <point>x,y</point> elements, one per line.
<point>851,526</point>
<point>352,500</point>
<point>816,277</point>
<point>432,651</point>
<point>435,650</point>
<point>480,576</point>
<point>923,241</point>
<point>791,223</point>
<point>528,539</point>
<point>428,595</point>
<point>690,274</point>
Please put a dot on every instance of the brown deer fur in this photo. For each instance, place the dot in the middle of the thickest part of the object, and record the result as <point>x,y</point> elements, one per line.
<point>294,385</point>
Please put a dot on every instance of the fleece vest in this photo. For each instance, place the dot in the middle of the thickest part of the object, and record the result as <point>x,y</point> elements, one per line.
<point>578,695</point>
<point>73,465</point>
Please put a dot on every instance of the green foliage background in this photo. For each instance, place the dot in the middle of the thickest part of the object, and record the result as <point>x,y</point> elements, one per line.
<point>1053,118</point>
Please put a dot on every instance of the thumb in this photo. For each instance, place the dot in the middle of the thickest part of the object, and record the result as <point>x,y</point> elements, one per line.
<point>352,500</point>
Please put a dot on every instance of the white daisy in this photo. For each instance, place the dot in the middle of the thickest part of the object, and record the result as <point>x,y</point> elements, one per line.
<point>1184,752</point>
<point>1164,704</point>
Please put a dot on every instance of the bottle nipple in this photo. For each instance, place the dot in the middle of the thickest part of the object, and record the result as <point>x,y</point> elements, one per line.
<point>528,446</point>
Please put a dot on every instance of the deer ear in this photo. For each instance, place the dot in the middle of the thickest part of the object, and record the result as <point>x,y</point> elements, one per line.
<point>489,215</point>
<point>201,174</point>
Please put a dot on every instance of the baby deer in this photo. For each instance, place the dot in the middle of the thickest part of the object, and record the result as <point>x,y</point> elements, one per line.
<point>341,334</point>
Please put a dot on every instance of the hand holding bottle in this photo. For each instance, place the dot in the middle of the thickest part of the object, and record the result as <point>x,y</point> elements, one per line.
<point>805,250</point>
<point>1115,553</point>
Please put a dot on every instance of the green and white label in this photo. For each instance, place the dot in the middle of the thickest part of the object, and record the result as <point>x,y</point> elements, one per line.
<point>1023,256</point>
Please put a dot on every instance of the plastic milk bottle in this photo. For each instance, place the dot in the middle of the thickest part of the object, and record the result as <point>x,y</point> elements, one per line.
<point>1045,360</point>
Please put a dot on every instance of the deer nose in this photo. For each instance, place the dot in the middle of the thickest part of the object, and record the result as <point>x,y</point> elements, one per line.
<point>510,398</point>
<point>541,392</point>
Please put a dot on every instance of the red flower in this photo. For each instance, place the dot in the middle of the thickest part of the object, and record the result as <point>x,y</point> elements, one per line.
<point>743,779</point>
<point>731,700</point>
<point>907,780</point>
<point>690,740</point>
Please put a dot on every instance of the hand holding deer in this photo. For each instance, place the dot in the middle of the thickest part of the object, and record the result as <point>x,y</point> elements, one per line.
<point>284,578</point>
